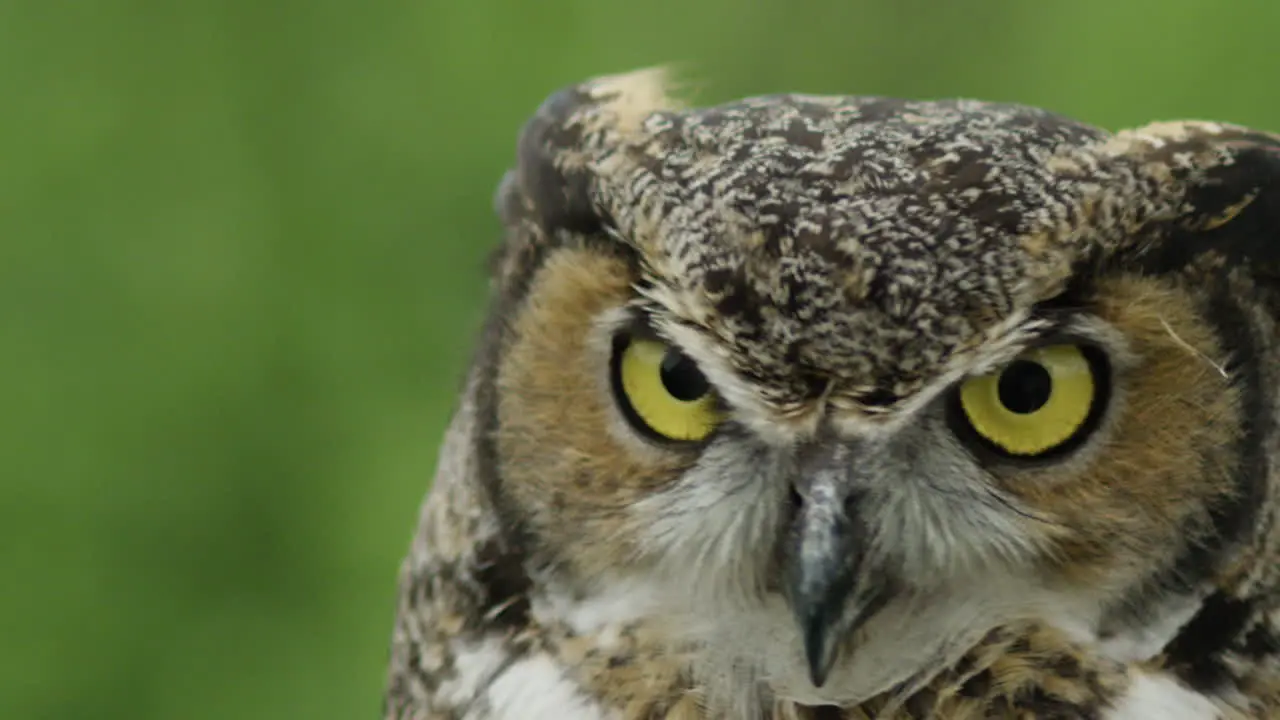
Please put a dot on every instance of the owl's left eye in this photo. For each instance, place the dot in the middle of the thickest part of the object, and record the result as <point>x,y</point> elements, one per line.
<point>662,391</point>
<point>1044,401</point>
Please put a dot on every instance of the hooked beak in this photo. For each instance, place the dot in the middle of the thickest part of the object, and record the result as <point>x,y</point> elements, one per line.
<point>831,587</point>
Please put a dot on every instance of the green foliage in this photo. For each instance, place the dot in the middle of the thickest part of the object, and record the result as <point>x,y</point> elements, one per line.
<point>241,252</point>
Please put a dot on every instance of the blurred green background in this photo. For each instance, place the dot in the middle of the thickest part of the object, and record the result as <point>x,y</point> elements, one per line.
<point>241,251</point>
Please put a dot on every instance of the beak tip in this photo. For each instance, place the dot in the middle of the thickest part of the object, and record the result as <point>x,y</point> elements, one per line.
<point>819,651</point>
<point>817,675</point>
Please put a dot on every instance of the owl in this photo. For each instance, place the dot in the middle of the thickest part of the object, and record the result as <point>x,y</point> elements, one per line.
<point>813,407</point>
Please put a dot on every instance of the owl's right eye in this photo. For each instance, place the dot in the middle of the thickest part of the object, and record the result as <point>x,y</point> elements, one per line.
<point>1045,401</point>
<point>662,391</point>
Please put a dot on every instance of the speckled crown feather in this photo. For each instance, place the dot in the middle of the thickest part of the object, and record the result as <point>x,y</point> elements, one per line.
<point>857,245</point>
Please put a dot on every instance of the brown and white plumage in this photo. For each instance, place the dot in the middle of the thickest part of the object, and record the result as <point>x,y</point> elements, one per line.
<point>845,540</point>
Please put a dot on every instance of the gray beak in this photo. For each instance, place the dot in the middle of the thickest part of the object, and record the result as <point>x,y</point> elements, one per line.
<point>831,587</point>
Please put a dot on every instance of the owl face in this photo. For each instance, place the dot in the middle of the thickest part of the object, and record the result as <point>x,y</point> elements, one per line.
<point>844,384</point>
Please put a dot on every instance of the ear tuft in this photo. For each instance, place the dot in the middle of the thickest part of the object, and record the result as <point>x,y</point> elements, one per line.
<point>573,129</point>
<point>1221,184</point>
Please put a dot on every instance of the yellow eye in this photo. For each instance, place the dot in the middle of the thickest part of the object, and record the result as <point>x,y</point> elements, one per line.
<point>663,391</point>
<point>1038,403</point>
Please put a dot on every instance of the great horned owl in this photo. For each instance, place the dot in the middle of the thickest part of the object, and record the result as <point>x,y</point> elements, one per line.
<point>852,407</point>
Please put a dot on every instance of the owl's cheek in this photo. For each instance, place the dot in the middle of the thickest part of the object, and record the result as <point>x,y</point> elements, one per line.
<point>710,538</point>
<point>570,482</point>
<point>1138,495</point>
<point>564,470</point>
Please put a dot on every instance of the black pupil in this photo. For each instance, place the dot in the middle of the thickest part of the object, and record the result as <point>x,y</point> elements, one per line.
<point>1025,387</point>
<point>682,378</point>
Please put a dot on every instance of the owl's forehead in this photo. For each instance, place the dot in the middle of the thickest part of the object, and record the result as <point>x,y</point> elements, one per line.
<point>857,244</point>
<point>854,244</point>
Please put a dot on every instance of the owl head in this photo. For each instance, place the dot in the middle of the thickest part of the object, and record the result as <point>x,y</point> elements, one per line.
<point>838,384</point>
